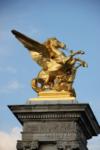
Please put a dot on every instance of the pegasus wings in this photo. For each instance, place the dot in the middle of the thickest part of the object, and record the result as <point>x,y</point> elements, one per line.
<point>38,51</point>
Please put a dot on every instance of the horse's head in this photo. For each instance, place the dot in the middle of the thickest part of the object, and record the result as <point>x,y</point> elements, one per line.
<point>54,42</point>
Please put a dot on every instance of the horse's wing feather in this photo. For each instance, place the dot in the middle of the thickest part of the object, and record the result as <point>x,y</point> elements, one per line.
<point>37,50</point>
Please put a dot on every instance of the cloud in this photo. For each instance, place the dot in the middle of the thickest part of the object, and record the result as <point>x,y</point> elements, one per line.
<point>11,87</point>
<point>94,144</point>
<point>8,69</point>
<point>8,140</point>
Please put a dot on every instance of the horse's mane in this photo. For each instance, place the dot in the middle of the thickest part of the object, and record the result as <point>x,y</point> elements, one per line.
<point>47,43</point>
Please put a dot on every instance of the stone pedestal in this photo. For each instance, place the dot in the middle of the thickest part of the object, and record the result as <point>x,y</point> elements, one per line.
<point>55,125</point>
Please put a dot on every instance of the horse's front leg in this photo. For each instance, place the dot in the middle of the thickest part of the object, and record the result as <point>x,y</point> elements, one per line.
<point>81,63</point>
<point>76,53</point>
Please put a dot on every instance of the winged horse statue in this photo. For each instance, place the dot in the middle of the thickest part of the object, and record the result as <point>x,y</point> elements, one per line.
<point>58,69</point>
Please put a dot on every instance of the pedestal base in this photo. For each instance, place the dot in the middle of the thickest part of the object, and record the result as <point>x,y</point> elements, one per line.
<point>53,126</point>
<point>53,96</point>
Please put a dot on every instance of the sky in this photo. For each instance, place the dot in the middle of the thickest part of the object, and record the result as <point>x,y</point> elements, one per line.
<point>74,22</point>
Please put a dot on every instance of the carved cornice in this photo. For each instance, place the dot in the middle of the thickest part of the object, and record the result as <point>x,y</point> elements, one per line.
<point>80,113</point>
<point>47,116</point>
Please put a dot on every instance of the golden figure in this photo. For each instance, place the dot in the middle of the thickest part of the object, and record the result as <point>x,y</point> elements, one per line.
<point>58,70</point>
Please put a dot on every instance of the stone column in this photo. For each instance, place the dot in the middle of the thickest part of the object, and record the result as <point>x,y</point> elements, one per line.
<point>55,126</point>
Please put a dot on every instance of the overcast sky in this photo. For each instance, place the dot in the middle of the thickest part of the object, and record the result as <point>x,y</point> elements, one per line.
<point>74,22</point>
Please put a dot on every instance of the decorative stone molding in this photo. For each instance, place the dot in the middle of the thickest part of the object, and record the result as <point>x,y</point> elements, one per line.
<point>19,145</point>
<point>34,145</point>
<point>60,145</point>
<point>48,116</point>
<point>23,145</point>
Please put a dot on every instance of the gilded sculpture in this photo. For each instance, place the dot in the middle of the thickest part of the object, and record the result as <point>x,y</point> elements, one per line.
<point>58,69</point>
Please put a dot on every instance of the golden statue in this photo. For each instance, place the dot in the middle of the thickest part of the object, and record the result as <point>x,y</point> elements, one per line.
<point>58,70</point>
